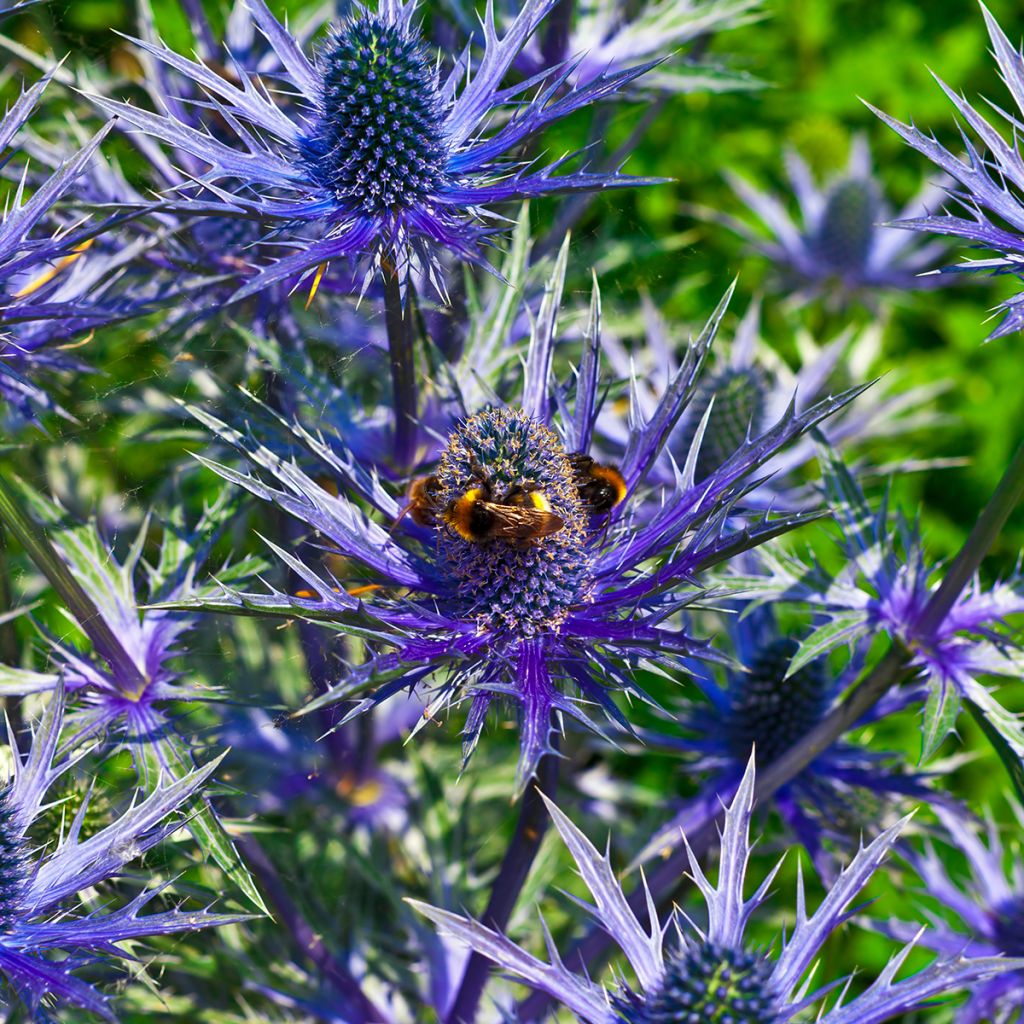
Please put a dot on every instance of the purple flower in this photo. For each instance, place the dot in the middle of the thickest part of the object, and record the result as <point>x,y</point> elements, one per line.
<point>991,175</point>
<point>602,36</point>
<point>687,974</point>
<point>31,265</point>
<point>487,620</point>
<point>381,155</point>
<point>764,705</point>
<point>837,247</point>
<point>884,587</point>
<point>39,916</point>
<point>750,387</point>
<point>990,907</point>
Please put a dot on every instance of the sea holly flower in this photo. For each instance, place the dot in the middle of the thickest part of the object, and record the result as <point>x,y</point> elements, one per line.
<point>837,247</point>
<point>599,37</point>
<point>128,682</point>
<point>31,262</point>
<point>385,156</point>
<point>484,604</point>
<point>884,587</point>
<point>46,937</point>
<point>990,175</point>
<point>748,387</point>
<point>990,909</point>
<point>762,705</point>
<point>688,973</point>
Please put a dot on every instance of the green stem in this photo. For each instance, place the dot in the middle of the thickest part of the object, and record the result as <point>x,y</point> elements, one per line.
<point>399,319</point>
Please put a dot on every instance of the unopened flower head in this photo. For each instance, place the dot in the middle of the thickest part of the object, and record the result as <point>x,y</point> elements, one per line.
<point>386,155</point>
<point>685,974</point>
<point>838,247</point>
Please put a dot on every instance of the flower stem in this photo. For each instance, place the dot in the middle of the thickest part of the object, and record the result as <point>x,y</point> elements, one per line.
<point>311,944</point>
<point>515,866</point>
<point>399,320</point>
<point>894,668</point>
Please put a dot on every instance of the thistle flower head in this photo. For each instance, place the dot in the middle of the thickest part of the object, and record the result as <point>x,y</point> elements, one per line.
<point>384,155</point>
<point>838,246</point>
<point>776,696</point>
<point>748,387</point>
<point>45,935</point>
<point>986,204</point>
<point>714,974</point>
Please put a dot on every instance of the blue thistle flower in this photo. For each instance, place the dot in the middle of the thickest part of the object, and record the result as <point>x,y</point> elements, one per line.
<point>990,909</point>
<point>765,705</point>
<point>712,974</point>
<point>381,155</point>
<point>483,617</point>
<point>749,387</point>
<point>30,271</point>
<point>991,212</point>
<point>884,587</point>
<point>599,37</point>
<point>837,247</point>
<point>38,920</point>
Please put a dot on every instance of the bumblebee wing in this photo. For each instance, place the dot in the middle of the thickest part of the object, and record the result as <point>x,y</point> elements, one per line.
<point>511,522</point>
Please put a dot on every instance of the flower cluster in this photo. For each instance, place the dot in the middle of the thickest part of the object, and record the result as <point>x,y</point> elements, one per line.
<point>357,539</point>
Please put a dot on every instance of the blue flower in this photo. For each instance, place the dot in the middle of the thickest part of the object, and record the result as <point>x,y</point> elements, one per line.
<point>990,907</point>
<point>765,705</point>
<point>884,586</point>
<point>989,175</point>
<point>599,37</point>
<point>381,154</point>
<point>34,308</point>
<point>687,974</point>
<point>749,387</point>
<point>476,615</point>
<point>837,247</point>
<point>39,919</point>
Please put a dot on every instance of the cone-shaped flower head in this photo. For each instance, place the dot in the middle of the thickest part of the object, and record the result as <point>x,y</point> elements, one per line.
<point>748,387</point>
<point>990,176</point>
<point>384,153</point>
<point>522,567</point>
<point>689,975</point>
<point>770,704</point>
<point>44,936</point>
<point>837,247</point>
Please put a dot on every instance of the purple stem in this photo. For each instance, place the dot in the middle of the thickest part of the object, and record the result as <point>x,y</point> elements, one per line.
<point>399,319</point>
<point>515,866</point>
<point>305,938</point>
<point>895,667</point>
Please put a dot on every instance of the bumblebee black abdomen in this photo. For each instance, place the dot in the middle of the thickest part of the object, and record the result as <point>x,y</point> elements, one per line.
<point>600,487</point>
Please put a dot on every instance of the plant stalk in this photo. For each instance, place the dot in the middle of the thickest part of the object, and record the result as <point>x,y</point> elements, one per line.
<point>309,943</point>
<point>515,867</point>
<point>399,320</point>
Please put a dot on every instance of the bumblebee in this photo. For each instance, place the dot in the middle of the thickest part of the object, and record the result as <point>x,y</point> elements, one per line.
<point>600,487</point>
<point>522,516</point>
<point>423,498</point>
